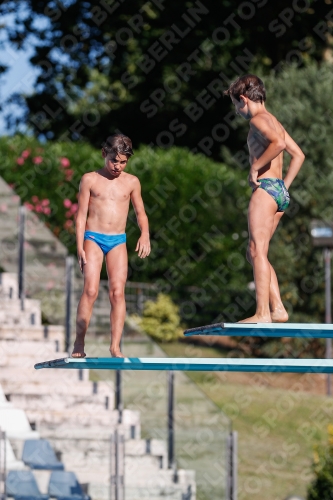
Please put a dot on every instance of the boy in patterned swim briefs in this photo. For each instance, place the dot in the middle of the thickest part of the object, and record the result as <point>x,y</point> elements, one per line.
<point>104,199</point>
<point>267,139</point>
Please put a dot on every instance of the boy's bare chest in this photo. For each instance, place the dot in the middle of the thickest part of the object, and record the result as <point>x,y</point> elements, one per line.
<point>106,191</point>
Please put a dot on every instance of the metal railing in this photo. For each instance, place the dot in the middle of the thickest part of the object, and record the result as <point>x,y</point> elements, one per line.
<point>3,465</point>
<point>117,465</point>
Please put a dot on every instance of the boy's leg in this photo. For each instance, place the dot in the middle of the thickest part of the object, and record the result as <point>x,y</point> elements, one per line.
<point>260,229</point>
<point>278,311</point>
<point>91,274</point>
<point>117,265</point>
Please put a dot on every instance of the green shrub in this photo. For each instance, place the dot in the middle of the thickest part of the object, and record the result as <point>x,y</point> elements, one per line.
<point>321,487</point>
<point>161,319</point>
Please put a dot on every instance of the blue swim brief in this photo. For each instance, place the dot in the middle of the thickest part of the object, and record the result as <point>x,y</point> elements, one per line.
<point>277,190</point>
<point>106,242</point>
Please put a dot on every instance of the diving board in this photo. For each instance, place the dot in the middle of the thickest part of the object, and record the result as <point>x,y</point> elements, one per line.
<point>301,330</point>
<point>195,364</point>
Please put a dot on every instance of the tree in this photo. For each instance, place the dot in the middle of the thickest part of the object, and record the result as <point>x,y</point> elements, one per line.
<point>155,70</point>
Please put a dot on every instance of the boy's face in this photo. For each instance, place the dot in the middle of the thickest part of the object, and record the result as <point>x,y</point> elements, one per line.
<point>115,163</point>
<point>242,108</point>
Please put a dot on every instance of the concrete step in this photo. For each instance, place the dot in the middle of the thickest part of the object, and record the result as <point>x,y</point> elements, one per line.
<point>70,433</point>
<point>83,415</point>
<point>31,332</point>
<point>28,348</point>
<point>60,404</point>
<point>82,389</point>
<point>15,422</point>
<point>142,447</point>
<point>12,463</point>
<point>26,361</point>
<point>20,376</point>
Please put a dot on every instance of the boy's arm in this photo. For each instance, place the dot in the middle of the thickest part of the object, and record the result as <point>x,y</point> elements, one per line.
<point>297,159</point>
<point>143,245</point>
<point>81,218</point>
<point>276,144</point>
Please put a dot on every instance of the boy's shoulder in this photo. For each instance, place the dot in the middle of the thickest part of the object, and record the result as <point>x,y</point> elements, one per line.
<point>88,176</point>
<point>264,120</point>
<point>131,178</point>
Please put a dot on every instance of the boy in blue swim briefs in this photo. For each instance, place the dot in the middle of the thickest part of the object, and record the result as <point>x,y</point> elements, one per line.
<point>267,139</point>
<point>103,201</point>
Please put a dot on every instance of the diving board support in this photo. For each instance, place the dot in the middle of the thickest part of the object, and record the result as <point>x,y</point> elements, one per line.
<point>299,330</point>
<point>253,365</point>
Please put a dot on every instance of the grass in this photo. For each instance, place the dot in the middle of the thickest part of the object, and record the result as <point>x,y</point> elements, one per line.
<point>278,428</point>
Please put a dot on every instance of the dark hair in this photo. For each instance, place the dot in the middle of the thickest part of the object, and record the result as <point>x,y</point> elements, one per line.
<point>249,86</point>
<point>119,144</point>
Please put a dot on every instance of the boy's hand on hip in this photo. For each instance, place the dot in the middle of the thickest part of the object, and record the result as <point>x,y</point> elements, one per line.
<point>81,257</point>
<point>143,246</point>
<point>253,179</point>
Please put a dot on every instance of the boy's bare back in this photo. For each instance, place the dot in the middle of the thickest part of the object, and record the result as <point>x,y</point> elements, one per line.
<point>261,127</point>
<point>107,200</point>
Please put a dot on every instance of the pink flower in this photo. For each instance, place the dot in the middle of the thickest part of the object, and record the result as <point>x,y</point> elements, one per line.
<point>39,208</point>
<point>47,210</point>
<point>65,162</point>
<point>20,161</point>
<point>69,174</point>
<point>45,202</point>
<point>68,224</point>
<point>35,199</point>
<point>25,153</point>
<point>28,205</point>
<point>37,160</point>
<point>67,203</point>
<point>68,214</point>
<point>74,208</point>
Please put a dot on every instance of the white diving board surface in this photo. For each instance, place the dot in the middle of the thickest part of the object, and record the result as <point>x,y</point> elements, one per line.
<point>195,364</point>
<point>301,330</point>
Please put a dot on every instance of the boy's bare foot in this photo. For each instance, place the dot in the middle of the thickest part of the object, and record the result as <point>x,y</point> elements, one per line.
<point>279,315</point>
<point>78,350</point>
<point>116,353</point>
<point>257,319</point>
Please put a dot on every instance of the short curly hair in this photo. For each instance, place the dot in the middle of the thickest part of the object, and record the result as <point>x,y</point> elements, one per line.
<point>119,144</point>
<point>250,86</point>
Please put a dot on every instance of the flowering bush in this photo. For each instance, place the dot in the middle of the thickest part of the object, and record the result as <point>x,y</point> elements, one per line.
<point>46,177</point>
<point>39,206</point>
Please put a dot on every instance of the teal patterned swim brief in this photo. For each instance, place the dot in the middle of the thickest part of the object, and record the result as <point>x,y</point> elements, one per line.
<point>278,191</point>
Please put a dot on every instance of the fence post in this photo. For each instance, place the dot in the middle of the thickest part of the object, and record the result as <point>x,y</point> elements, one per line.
<point>21,259</point>
<point>118,390</point>
<point>171,436</point>
<point>69,288</point>
<point>232,440</point>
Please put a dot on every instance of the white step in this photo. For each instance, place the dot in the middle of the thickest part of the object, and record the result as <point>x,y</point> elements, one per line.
<point>30,332</point>
<point>83,389</point>
<point>16,376</point>
<point>15,423</point>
